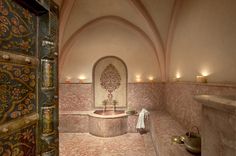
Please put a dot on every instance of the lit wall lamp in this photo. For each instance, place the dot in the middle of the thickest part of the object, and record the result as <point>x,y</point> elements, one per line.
<point>202,78</point>
<point>138,78</point>
<point>150,78</point>
<point>82,78</point>
<point>177,76</point>
<point>68,79</point>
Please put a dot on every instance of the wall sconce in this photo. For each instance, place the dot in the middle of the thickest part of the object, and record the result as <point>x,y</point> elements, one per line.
<point>150,78</point>
<point>138,78</point>
<point>82,78</point>
<point>68,79</point>
<point>177,77</point>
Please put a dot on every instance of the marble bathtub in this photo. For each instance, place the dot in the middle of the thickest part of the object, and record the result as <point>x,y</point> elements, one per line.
<point>78,121</point>
<point>108,124</point>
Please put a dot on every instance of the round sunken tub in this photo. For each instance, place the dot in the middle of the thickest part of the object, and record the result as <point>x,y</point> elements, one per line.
<point>108,124</point>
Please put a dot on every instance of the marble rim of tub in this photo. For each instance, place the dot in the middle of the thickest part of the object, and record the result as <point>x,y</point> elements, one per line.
<point>92,114</point>
<point>74,112</point>
<point>218,102</point>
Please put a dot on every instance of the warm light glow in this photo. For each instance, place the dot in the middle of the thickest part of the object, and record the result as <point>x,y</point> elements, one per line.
<point>178,75</point>
<point>82,77</point>
<point>68,78</point>
<point>205,73</point>
<point>151,78</point>
<point>138,79</point>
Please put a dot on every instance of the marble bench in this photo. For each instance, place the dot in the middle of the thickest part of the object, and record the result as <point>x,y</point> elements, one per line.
<point>162,128</point>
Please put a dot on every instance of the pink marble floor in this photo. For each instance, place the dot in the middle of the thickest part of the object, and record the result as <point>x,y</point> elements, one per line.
<point>84,144</point>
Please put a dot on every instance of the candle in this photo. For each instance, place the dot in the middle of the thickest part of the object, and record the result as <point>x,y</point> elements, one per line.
<point>67,79</point>
<point>150,78</point>
<point>138,78</point>
<point>201,79</point>
<point>176,79</point>
<point>82,78</point>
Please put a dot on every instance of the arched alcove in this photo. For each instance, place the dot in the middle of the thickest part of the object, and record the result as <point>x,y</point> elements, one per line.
<point>110,82</point>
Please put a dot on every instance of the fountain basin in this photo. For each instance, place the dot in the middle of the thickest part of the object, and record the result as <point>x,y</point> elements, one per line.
<point>108,124</point>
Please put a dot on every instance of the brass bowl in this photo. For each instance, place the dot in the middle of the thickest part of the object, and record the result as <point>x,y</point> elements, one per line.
<point>192,142</point>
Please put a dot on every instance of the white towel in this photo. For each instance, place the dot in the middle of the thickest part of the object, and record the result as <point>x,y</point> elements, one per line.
<point>141,118</point>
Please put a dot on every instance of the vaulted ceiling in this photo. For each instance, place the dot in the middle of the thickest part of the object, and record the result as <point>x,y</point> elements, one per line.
<point>151,19</point>
<point>146,35</point>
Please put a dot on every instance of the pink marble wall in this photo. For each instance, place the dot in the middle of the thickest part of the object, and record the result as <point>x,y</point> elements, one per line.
<point>146,95</point>
<point>176,97</point>
<point>75,97</point>
<point>79,97</point>
<point>180,104</point>
<point>73,123</point>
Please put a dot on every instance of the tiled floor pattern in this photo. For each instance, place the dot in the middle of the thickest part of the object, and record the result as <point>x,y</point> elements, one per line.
<point>84,144</point>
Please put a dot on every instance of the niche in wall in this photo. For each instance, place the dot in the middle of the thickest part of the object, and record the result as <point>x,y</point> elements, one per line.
<point>110,82</point>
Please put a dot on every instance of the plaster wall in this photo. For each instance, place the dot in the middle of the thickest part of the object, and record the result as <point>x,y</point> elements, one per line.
<point>111,38</point>
<point>87,10</point>
<point>160,10</point>
<point>204,41</point>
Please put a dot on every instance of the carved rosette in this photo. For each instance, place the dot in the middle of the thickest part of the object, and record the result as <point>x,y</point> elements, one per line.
<point>110,78</point>
<point>110,81</point>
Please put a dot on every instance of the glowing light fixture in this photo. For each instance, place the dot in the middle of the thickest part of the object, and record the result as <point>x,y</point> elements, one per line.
<point>177,76</point>
<point>138,78</point>
<point>205,73</point>
<point>68,79</point>
<point>151,78</point>
<point>81,78</point>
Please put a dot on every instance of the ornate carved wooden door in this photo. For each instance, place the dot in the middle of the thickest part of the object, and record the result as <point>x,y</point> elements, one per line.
<point>28,78</point>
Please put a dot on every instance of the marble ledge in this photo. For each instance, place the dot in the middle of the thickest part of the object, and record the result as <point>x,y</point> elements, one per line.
<point>210,84</point>
<point>76,112</point>
<point>87,113</point>
<point>223,103</point>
